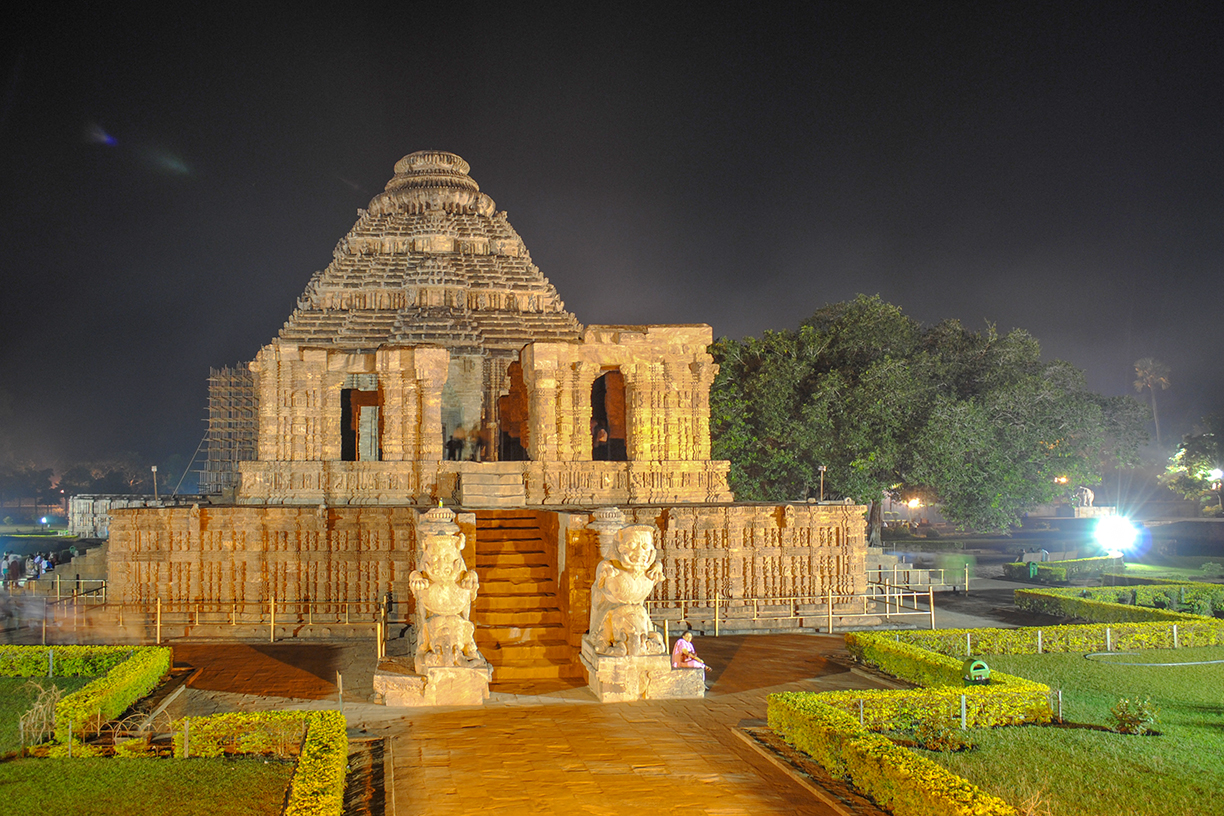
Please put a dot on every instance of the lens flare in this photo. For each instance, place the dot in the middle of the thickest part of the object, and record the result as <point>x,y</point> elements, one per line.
<point>1116,534</point>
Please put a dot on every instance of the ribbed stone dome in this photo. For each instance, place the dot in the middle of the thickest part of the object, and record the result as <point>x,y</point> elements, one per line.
<point>433,180</point>
<point>431,262</point>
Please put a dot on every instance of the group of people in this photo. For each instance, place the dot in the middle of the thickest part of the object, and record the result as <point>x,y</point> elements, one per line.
<point>15,569</point>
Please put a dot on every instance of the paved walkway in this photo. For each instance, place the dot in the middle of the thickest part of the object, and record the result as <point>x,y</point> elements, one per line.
<point>559,752</point>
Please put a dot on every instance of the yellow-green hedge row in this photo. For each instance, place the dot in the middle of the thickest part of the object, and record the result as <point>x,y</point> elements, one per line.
<point>87,709</point>
<point>958,644</point>
<point>1165,596</point>
<point>317,788</point>
<point>897,779</point>
<point>318,781</point>
<point>1099,606</point>
<point>1007,700</point>
<point>64,661</point>
<point>277,733</point>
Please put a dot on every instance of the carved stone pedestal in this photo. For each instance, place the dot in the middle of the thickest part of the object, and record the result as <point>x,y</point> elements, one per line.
<point>401,686</point>
<point>639,677</point>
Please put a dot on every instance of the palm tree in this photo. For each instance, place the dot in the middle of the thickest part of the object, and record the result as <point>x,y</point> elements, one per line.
<point>1149,373</point>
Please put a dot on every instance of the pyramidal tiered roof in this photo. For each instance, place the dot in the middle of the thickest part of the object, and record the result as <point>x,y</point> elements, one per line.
<point>430,261</point>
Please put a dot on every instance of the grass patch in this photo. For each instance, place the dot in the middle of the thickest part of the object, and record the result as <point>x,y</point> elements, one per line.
<point>16,695</point>
<point>1084,772</point>
<point>150,787</point>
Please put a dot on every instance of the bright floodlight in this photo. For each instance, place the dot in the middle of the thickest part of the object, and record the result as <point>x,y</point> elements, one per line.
<point>1116,534</point>
<point>1216,474</point>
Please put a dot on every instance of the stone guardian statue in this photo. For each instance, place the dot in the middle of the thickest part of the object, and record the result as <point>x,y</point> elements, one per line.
<point>620,625</point>
<point>444,591</point>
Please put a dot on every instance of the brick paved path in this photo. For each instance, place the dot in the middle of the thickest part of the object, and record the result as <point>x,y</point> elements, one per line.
<point>572,755</point>
<point>560,752</point>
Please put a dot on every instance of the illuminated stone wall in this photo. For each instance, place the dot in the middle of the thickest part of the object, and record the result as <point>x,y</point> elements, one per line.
<point>250,554</point>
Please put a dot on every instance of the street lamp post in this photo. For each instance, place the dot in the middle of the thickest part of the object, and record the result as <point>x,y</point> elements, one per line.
<point>822,470</point>
<point>154,469</point>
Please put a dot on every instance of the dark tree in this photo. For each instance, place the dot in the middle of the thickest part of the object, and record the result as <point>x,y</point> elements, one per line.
<point>976,422</point>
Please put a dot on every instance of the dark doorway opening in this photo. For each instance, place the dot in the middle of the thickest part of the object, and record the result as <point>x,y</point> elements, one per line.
<point>608,418</point>
<point>360,429</point>
<point>512,417</point>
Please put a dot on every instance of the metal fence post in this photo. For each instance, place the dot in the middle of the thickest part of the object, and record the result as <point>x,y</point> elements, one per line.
<point>158,621</point>
<point>272,607</point>
<point>930,603</point>
<point>716,614</point>
<point>829,601</point>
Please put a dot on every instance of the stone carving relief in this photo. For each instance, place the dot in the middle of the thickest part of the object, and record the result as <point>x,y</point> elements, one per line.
<point>620,624</point>
<point>444,590</point>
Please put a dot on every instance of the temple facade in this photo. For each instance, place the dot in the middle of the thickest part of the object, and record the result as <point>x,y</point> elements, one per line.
<point>431,362</point>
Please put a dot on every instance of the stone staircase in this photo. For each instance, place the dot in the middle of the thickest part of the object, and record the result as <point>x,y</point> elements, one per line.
<point>893,569</point>
<point>519,624</point>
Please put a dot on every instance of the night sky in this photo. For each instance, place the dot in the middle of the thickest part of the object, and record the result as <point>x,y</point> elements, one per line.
<point>174,174</point>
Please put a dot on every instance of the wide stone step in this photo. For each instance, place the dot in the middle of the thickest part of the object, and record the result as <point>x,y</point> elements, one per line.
<point>488,601</point>
<point>523,572</point>
<point>507,534</point>
<point>499,653</point>
<point>517,617</point>
<point>544,669</point>
<point>521,586</point>
<point>519,634</point>
<point>512,559</point>
<point>519,547</point>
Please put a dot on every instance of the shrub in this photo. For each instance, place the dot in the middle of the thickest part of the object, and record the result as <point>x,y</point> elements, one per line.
<point>1211,568</point>
<point>1134,716</point>
<point>934,735</point>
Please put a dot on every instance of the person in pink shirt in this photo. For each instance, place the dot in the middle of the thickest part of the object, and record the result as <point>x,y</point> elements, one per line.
<point>684,656</point>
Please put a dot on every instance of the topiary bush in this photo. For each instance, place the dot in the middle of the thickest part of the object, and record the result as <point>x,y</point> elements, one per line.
<point>1134,716</point>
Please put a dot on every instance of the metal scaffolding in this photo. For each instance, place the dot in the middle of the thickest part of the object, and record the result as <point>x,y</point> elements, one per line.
<point>232,427</point>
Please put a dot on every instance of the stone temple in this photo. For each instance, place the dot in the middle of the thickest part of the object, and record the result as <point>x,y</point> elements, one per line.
<point>431,362</point>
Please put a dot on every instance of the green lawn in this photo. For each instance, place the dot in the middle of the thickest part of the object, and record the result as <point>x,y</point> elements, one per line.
<point>149,787</point>
<point>16,694</point>
<point>1085,772</point>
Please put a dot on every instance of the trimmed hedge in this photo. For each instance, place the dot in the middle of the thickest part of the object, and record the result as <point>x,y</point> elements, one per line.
<point>317,787</point>
<point>1092,637</point>
<point>896,778</point>
<point>1007,700</point>
<point>1046,573</point>
<point>68,661</point>
<point>278,733</point>
<point>1101,604</point>
<point>1056,571</point>
<point>110,695</point>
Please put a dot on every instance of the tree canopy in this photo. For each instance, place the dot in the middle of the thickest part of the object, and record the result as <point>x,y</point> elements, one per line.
<point>976,422</point>
<point>1194,471</point>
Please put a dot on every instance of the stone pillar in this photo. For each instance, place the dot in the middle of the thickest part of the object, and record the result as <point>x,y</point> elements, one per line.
<point>431,366</point>
<point>582,381</point>
<point>540,377</point>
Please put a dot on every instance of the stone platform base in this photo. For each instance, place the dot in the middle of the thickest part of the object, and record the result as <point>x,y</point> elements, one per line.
<point>640,677</point>
<point>400,685</point>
